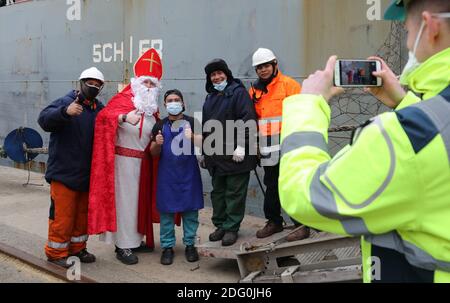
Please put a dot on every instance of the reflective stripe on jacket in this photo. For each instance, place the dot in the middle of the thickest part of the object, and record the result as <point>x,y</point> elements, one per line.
<point>269,109</point>
<point>269,106</point>
<point>391,186</point>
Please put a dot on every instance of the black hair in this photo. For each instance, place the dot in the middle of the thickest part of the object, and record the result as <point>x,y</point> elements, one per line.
<point>173,92</point>
<point>274,64</point>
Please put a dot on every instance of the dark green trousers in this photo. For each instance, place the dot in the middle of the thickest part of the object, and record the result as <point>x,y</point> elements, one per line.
<point>228,200</point>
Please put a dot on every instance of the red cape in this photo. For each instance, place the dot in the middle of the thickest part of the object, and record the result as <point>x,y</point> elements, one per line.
<point>102,204</point>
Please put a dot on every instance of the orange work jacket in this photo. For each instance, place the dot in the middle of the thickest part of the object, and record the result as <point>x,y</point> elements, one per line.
<point>269,110</point>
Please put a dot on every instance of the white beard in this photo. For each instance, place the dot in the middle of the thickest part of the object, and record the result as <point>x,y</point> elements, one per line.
<point>145,99</point>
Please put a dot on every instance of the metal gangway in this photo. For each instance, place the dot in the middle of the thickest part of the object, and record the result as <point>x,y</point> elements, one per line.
<point>322,258</point>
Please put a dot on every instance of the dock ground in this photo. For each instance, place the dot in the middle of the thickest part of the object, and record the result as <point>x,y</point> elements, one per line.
<point>24,221</point>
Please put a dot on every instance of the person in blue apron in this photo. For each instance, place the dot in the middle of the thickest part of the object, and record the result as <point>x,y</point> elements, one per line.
<point>179,184</point>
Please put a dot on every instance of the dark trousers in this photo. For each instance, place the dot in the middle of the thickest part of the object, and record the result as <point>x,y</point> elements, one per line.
<point>272,206</point>
<point>394,268</point>
<point>228,200</point>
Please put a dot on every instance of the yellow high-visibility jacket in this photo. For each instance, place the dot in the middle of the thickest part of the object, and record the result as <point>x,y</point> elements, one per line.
<point>391,185</point>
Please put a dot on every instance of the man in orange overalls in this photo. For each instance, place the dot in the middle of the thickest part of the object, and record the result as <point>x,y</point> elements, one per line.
<point>70,120</point>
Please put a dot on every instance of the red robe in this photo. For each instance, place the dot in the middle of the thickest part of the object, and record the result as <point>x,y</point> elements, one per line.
<point>102,205</point>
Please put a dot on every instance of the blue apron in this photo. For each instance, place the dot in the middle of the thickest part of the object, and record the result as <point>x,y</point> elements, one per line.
<point>179,186</point>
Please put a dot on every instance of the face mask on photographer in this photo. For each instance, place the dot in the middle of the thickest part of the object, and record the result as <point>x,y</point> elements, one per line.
<point>413,63</point>
<point>89,91</point>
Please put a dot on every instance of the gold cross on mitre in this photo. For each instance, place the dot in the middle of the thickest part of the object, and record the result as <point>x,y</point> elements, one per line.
<point>152,60</point>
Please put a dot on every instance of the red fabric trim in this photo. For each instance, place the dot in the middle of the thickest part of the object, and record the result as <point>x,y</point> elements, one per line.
<point>130,153</point>
<point>141,126</point>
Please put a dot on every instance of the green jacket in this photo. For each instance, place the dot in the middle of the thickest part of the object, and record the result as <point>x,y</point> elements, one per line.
<point>391,185</point>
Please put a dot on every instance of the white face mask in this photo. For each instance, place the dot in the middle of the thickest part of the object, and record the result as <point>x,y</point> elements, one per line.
<point>221,86</point>
<point>413,63</point>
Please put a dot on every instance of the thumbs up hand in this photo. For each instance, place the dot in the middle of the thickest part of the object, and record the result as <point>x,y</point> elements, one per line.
<point>133,117</point>
<point>159,138</point>
<point>188,132</point>
<point>74,109</point>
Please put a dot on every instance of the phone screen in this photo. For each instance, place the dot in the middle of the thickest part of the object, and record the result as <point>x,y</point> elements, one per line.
<point>358,73</point>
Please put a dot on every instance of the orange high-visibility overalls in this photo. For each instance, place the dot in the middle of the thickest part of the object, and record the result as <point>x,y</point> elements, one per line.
<point>67,228</point>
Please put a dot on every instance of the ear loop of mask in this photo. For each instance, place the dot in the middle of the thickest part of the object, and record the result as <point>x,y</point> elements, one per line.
<point>422,27</point>
<point>416,44</point>
<point>412,63</point>
<point>442,15</point>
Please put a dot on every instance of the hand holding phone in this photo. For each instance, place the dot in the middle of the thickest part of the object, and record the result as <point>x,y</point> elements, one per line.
<point>321,82</point>
<point>391,93</point>
<point>357,73</point>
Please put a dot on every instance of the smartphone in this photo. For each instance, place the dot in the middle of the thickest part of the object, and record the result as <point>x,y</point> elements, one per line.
<point>357,73</point>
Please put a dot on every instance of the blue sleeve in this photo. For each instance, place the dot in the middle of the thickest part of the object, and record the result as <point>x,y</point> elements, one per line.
<point>54,116</point>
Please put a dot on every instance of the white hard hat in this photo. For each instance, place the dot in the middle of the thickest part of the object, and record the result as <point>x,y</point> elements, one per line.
<point>263,55</point>
<point>92,73</point>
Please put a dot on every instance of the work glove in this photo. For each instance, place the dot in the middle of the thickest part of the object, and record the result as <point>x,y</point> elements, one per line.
<point>239,154</point>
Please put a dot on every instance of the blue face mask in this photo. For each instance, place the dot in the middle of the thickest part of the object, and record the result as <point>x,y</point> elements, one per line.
<point>221,86</point>
<point>174,108</point>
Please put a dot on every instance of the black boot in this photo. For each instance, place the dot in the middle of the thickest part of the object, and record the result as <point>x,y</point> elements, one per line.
<point>217,235</point>
<point>85,256</point>
<point>167,256</point>
<point>191,253</point>
<point>126,256</point>
<point>60,262</point>
<point>143,248</point>
<point>230,238</point>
